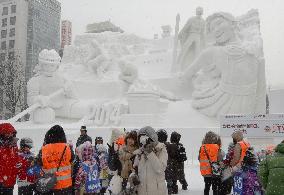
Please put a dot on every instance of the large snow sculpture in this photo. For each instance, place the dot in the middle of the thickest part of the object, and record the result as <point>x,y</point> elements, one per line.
<point>47,82</point>
<point>191,39</point>
<point>232,78</point>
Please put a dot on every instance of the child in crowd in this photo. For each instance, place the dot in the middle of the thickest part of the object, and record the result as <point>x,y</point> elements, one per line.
<point>26,183</point>
<point>87,179</point>
<point>246,180</point>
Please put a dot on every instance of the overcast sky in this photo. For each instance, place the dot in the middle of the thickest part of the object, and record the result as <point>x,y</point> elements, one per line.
<point>145,17</point>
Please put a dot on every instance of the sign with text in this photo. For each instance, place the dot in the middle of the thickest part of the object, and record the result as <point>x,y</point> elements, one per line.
<point>265,125</point>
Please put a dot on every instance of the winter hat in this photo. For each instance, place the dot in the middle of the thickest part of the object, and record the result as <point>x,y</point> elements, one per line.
<point>98,139</point>
<point>238,136</point>
<point>83,128</point>
<point>26,142</point>
<point>87,151</point>
<point>175,137</point>
<point>162,135</point>
<point>6,129</point>
<point>55,134</point>
<point>150,132</point>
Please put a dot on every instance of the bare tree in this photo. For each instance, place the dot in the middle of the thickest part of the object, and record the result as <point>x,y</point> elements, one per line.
<point>12,78</point>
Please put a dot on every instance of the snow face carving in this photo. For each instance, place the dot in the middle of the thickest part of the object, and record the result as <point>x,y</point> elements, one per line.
<point>231,77</point>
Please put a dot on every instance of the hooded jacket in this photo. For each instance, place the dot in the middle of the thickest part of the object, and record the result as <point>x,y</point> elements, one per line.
<point>152,166</point>
<point>271,172</point>
<point>9,156</point>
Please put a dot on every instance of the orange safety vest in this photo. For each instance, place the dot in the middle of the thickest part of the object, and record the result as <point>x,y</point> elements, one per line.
<point>212,151</point>
<point>51,154</point>
<point>244,147</point>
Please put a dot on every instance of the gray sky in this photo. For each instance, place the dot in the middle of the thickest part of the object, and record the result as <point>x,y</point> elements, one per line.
<point>145,17</point>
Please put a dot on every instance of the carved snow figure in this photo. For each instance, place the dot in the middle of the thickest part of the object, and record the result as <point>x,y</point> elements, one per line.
<point>231,77</point>
<point>191,39</point>
<point>132,83</point>
<point>97,61</point>
<point>55,97</point>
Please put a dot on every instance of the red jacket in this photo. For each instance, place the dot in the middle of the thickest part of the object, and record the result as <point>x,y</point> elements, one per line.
<point>8,169</point>
<point>24,164</point>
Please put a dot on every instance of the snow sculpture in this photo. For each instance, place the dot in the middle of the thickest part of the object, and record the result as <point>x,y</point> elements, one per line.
<point>230,74</point>
<point>97,61</point>
<point>143,97</point>
<point>47,82</point>
<point>191,39</point>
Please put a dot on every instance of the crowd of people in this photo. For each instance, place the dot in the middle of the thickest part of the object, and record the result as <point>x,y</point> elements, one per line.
<point>140,162</point>
<point>137,162</point>
<point>241,171</point>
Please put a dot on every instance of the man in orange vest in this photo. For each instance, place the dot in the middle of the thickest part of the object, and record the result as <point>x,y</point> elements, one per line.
<point>210,149</point>
<point>240,149</point>
<point>49,158</point>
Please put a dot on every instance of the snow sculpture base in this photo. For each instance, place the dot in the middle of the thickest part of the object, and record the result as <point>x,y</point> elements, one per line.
<point>145,103</point>
<point>140,120</point>
<point>43,115</point>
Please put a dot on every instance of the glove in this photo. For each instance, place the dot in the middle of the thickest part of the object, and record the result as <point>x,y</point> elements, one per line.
<point>149,147</point>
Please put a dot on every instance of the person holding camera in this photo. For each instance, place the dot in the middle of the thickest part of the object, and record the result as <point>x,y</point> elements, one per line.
<point>151,161</point>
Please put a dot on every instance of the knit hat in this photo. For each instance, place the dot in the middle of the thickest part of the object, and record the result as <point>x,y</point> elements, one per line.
<point>83,128</point>
<point>6,129</point>
<point>55,134</point>
<point>26,142</point>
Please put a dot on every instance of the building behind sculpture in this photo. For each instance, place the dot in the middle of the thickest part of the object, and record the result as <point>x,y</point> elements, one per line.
<point>102,27</point>
<point>66,33</point>
<point>27,27</point>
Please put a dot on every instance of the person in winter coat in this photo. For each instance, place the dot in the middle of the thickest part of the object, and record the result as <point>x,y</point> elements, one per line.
<point>210,148</point>
<point>8,158</point>
<point>271,172</point>
<point>175,168</point>
<point>151,161</point>
<point>49,157</point>
<point>240,149</point>
<point>83,137</point>
<point>127,156</point>
<point>245,180</point>
<point>103,159</point>
<point>87,178</point>
<point>26,183</point>
<point>226,186</point>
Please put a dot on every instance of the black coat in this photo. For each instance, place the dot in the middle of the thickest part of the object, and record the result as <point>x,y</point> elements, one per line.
<point>175,167</point>
<point>82,139</point>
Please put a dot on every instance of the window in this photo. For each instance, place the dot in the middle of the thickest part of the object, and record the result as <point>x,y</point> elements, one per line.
<point>3,34</point>
<point>5,11</point>
<point>3,45</point>
<point>11,44</point>
<point>2,56</point>
<point>4,22</point>
<point>13,9</point>
<point>13,20</point>
<point>11,55</point>
<point>12,32</point>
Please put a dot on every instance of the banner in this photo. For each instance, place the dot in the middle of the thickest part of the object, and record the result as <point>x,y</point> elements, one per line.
<point>270,125</point>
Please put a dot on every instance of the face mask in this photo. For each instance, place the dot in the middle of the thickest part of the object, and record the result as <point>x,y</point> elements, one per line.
<point>143,140</point>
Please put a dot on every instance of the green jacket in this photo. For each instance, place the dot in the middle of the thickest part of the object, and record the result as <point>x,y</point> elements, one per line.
<point>271,172</point>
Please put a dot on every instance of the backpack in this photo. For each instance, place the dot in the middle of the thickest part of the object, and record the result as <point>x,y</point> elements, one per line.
<point>181,153</point>
<point>92,181</point>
